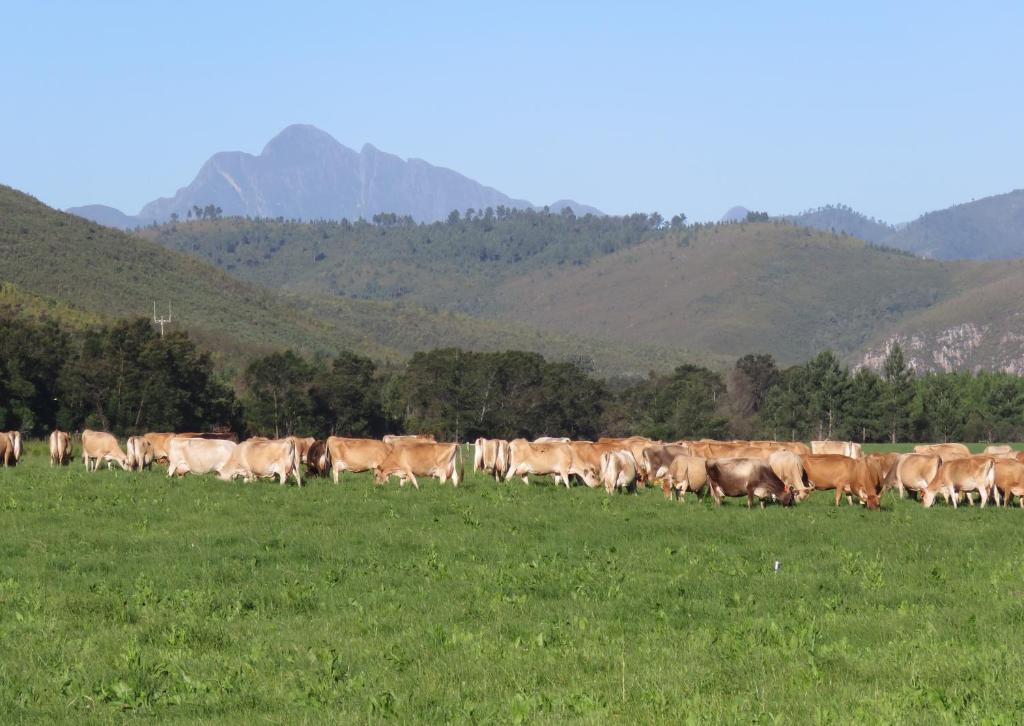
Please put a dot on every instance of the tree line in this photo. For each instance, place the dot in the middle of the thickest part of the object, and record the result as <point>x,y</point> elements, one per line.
<point>127,378</point>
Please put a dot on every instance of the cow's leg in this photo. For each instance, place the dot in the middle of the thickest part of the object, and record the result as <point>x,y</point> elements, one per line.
<point>839,495</point>
<point>983,495</point>
<point>955,497</point>
<point>415,481</point>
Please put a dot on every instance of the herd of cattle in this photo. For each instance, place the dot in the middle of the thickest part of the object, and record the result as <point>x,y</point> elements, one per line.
<point>785,472</point>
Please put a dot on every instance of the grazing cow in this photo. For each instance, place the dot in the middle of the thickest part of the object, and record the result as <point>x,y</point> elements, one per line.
<point>586,460</point>
<point>1009,480</point>
<point>60,448</point>
<point>789,467</point>
<point>357,455</point>
<point>912,472</point>
<point>882,464</point>
<point>392,439</point>
<point>998,450</point>
<point>846,475</point>
<point>423,458</point>
<point>735,477</point>
<point>944,451</point>
<point>968,474</point>
<point>256,458</point>
<point>302,444</point>
<point>6,449</point>
<point>553,458</point>
<point>161,443</point>
<point>849,449</point>
<point>491,456</point>
<point>656,458</point>
<point>100,446</point>
<point>197,456</point>
<point>618,471</point>
<point>684,474</point>
<point>635,445</point>
<point>318,459</point>
<point>15,437</point>
<point>140,453</point>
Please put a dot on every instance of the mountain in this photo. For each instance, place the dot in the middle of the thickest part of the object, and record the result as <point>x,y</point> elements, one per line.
<point>64,267</point>
<point>580,210</point>
<point>735,214</point>
<point>304,173</point>
<point>841,219</point>
<point>991,228</point>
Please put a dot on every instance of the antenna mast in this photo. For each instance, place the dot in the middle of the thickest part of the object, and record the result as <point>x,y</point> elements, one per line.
<point>162,321</point>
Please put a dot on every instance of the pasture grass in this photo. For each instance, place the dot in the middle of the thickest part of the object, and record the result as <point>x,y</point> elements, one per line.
<point>130,596</point>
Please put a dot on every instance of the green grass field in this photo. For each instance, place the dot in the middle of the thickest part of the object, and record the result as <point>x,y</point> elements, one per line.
<point>132,596</point>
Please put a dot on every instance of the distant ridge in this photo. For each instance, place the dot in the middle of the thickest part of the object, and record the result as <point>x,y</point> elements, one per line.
<point>735,214</point>
<point>304,173</point>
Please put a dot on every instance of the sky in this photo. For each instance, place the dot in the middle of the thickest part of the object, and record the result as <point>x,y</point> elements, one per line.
<point>894,108</point>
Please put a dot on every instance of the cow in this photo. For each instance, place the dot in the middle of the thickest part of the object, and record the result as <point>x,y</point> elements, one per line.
<point>302,444</point>
<point>912,472</point>
<point>541,459</point>
<point>586,460</point>
<point>736,477</point>
<point>618,471</point>
<point>845,475</point>
<point>998,450</point>
<point>552,440</point>
<point>656,458</point>
<point>684,474</point>
<point>140,453</point>
<point>6,449</point>
<point>60,447</point>
<point>100,446</point>
<point>392,439</point>
<point>254,459</point>
<point>422,458</point>
<point>789,467</point>
<point>882,464</point>
<point>356,455</point>
<point>197,456</point>
<point>15,437</point>
<point>968,474</point>
<point>1008,477</point>
<point>849,449</point>
<point>318,459</point>
<point>491,456</point>
<point>161,443</point>
<point>636,446</point>
<point>944,451</point>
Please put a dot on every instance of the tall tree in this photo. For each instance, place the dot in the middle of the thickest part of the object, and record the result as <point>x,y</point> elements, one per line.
<point>898,395</point>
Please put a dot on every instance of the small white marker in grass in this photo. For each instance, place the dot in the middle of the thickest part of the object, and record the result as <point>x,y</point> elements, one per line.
<point>777,566</point>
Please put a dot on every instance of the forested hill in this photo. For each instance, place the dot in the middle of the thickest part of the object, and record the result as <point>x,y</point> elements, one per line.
<point>61,266</point>
<point>454,264</point>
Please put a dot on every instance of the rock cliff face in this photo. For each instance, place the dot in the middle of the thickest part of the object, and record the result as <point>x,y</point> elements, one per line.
<point>968,346</point>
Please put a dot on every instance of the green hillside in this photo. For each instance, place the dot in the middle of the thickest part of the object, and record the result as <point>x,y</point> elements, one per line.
<point>65,267</point>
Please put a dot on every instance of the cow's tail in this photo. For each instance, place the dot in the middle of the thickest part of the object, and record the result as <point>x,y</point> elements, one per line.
<point>296,462</point>
<point>990,481</point>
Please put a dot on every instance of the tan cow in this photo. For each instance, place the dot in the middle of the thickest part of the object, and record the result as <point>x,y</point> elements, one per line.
<point>586,460</point>
<point>161,443</point>
<point>422,458</point>
<point>618,471</point>
<point>140,453</point>
<point>392,439</point>
<point>100,446</point>
<point>944,451</point>
<point>552,440</point>
<point>540,459</point>
<point>356,455</point>
<point>968,474</point>
<point>882,463</point>
<point>635,445</point>
<point>789,467</point>
<point>60,447</point>
<point>998,450</point>
<point>912,472</point>
<point>6,450</point>
<point>684,474</point>
<point>656,458</point>
<point>491,457</point>
<point>849,449</point>
<point>845,475</point>
<point>197,456</point>
<point>256,459</point>
<point>302,445</point>
<point>1009,480</point>
<point>15,437</point>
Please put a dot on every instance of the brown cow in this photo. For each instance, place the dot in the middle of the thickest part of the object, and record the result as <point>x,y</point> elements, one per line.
<point>1009,480</point>
<point>15,437</point>
<point>684,474</point>
<point>882,463</point>
<point>732,477</point>
<point>972,473</point>
<point>355,455</point>
<point>140,453</point>
<point>491,457</point>
<point>302,444</point>
<point>844,474</point>
<point>422,458</point>
<point>6,450</point>
<point>318,459</point>
<point>100,446</point>
<point>60,448</point>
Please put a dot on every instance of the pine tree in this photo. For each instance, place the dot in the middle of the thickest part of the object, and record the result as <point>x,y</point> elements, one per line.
<point>899,393</point>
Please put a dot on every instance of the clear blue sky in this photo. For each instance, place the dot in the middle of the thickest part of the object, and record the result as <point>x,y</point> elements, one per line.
<point>893,108</point>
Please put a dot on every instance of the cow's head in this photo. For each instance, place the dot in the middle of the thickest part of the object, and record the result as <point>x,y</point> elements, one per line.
<point>871,501</point>
<point>928,496</point>
<point>379,477</point>
<point>787,498</point>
